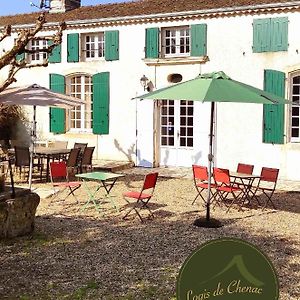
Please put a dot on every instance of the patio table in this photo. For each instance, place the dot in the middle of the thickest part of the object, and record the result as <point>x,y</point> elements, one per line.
<point>105,180</point>
<point>50,153</point>
<point>246,182</point>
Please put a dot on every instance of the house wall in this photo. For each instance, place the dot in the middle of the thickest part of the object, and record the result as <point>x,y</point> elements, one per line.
<point>238,126</point>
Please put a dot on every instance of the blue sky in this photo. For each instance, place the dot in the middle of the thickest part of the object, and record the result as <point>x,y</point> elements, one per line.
<point>12,7</point>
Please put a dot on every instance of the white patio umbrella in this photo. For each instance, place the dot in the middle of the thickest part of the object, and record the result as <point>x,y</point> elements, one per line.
<point>36,95</point>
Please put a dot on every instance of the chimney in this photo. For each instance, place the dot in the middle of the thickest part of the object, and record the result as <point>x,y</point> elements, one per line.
<point>60,6</point>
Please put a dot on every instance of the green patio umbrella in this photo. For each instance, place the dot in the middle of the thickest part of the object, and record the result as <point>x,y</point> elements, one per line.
<point>214,87</point>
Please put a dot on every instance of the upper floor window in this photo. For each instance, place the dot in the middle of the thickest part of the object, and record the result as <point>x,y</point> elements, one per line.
<point>295,113</point>
<point>176,41</point>
<point>80,117</point>
<point>93,46</point>
<point>270,34</point>
<point>39,55</point>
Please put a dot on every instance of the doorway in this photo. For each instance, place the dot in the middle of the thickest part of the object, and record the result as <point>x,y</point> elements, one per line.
<point>176,133</point>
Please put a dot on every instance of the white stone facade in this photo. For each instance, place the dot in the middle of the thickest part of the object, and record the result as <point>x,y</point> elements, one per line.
<point>133,126</point>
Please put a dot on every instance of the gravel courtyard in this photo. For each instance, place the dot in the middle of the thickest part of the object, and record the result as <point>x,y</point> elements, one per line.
<point>76,254</point>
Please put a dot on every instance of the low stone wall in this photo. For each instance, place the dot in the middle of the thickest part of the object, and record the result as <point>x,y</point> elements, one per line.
<point>17,215</point>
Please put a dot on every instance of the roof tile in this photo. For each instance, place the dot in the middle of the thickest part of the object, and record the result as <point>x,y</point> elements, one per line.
<point>134,8</point>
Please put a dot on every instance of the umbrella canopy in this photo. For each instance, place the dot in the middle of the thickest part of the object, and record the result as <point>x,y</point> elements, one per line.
<point>214,87</point>
<point>36,95</point>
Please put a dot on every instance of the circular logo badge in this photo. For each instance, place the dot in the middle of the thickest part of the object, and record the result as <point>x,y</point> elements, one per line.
<point>227,269</point>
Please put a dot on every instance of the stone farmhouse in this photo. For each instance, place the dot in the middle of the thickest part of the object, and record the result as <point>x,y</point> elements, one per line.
<point>114,52</point>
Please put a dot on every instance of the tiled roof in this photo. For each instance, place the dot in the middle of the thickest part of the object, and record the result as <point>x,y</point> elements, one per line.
<point>135,8</point>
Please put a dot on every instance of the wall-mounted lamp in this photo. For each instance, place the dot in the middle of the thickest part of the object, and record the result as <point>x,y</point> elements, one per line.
<point>144,82</point>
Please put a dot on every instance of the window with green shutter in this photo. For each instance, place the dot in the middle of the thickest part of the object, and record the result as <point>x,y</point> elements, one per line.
<point>57,115</point>
<point>179,41</point>
<point>198,39</point>
<point>73,47</point>
<point>152,43</point>
<point>273,116</point>
<point>101,103</point>
<point>55,56</point>
<point>111,45</point>
<point>270,35</point>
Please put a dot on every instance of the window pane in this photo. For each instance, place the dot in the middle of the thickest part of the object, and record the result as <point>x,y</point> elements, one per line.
<point>182,131</point>
<point>296,89</point>
<point>295,121</point>
<point>164,121</point>
<point>190,121</point>
<point>296,80</point>
<point>182,142</point>
<point>295,111</point>
<point>295,132</point>
<point>164,131</point>
<point>190,142</point>
<point>190,131</point>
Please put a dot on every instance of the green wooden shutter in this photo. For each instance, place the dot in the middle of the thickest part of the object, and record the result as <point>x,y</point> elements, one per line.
<point>57,115</point>
<point>273,131</point>
<point>198,40</point>
<point>111,45</point>
<point>101,103</point>
<point>261,35</point>
<point>73,47</point>
<point>55,56</point>
<point>279,34</point>
<point>152,43</point>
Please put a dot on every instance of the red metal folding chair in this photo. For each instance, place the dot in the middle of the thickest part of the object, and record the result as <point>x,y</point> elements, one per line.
<point>200,174</point>
<point>267,184</point>
<point>59,179</point>
<point>142,197</point>
<point>244,168</point>
<point>225,187</point>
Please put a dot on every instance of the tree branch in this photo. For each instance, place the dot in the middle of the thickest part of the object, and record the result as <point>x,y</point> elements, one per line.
<point>21,45</point>
<point>6,33</point>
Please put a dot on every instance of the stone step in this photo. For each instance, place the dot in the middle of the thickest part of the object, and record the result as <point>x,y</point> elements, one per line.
<point>112,165</point>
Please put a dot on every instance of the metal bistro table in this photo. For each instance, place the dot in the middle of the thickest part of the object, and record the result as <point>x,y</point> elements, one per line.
<point>246,183</point>
<point>106,180</point>
<point>50,153</point>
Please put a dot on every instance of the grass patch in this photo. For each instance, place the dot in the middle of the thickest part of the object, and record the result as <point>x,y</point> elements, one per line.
<point>82,292</point>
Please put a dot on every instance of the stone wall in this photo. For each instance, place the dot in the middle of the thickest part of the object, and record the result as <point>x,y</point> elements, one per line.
<point>17,215</point>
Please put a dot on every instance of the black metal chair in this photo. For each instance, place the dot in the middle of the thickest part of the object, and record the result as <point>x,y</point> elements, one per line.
<point>82,146</point>
<point>86,160</point>
<point>22,160</point>
<point>72,161</point>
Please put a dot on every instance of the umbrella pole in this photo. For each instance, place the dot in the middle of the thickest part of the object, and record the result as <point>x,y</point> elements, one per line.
<point>210,160</point>
<point>33,133</point>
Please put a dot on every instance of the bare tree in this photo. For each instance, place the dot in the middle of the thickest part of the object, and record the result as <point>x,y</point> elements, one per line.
<point>12,115</point>
<point>10,58</point>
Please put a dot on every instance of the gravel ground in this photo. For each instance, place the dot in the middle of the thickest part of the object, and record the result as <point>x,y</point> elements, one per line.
<point>76,254</point>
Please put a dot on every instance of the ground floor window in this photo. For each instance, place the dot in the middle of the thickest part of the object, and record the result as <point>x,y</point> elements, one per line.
<point>80,117</point>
